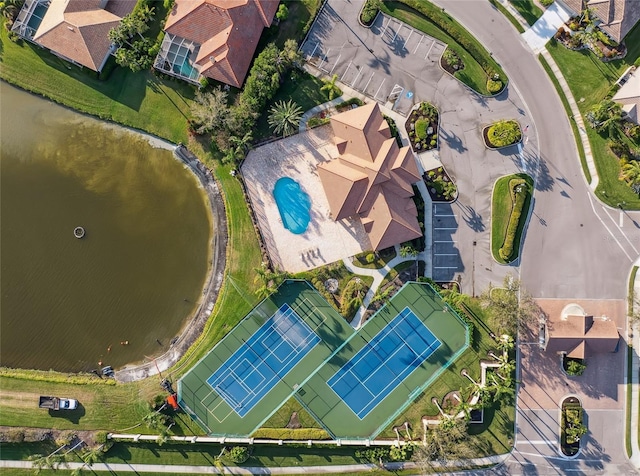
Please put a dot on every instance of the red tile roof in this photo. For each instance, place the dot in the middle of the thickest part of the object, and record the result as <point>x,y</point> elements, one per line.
<point>227,32</point>
<point>371,178</point>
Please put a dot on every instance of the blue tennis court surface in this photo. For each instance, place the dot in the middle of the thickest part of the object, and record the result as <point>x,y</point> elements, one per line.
<point>384,362</point>
<point>261,362</point>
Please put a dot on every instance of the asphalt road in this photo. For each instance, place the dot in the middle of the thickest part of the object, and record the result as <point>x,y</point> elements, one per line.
<point>574,247</point>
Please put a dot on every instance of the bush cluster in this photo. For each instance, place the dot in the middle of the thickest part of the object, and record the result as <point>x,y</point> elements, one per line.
<point>518,200</point>
<point>504,133</point>
<point>351,298</point>
<point>421,128</point>
<point>239,454</point>
<point>494,86</point>
<point>369,11</point>
<point>291,434</point>
<point>546,3</point>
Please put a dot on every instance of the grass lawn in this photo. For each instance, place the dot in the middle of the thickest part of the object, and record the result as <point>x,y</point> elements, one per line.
<point>139,100</point>
<point>495,435</point>
<point>472,75</point>
<point>567,108</point>
<point>381,259</point>
<point>303,89</point>
<point>501,205</point>
<point>590,81</point>
<point>301,14</point>
<point>507,14</point>
<point>528,10</point>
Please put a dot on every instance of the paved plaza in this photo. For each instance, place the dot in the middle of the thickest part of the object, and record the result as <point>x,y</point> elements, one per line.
<point>324,240</point>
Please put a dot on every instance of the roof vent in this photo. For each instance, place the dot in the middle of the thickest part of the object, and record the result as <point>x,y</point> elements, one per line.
<point>212,59</point>
<point>70,28</point>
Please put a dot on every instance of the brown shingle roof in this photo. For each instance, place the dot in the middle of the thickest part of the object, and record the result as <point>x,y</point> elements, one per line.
<point>580,335</point>
<point>78,29</point>
<point>227,32</point>
<point>371,178</point>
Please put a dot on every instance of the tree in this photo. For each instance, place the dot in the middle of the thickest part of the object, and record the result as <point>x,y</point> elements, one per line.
<point>605,116</point>
<point>282,13</point>
<point>630,173</point>
<point>210,110</point>
<point>270,280</point>
<point>284,117</point>
<point>447,442</point>
<point>511,308</point>
<point>331,88</point>
<point>288,55</point>
<point>242,144</point>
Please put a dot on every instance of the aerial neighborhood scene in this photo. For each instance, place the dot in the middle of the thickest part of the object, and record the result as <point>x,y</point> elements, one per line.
<point>320,236</point>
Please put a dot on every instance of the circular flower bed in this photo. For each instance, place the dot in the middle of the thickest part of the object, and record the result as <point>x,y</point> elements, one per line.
<point>502,134</point>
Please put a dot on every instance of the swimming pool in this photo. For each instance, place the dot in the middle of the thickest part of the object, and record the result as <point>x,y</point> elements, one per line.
<point>294,205</point>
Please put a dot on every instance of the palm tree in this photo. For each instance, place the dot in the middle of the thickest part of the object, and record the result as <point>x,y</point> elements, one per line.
<point>630,173</point>
<point>331,88</point>
<point>606,115</point>
<point>242,144</point>
<point>284,117</point>
<point>270,280</point>
<point>408,250</point>
<point>505,343</point>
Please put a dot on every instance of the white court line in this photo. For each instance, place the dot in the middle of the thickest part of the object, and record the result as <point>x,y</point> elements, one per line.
<point>418,45</point>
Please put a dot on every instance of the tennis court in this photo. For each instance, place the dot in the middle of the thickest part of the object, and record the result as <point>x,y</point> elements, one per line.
<point>396,355</point>
<point>383,363</point>
<point>261,362</point>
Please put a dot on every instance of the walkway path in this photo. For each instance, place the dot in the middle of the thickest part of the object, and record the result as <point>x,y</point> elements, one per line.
<point>115,468</point>
<point>635,384</point>
<point>547,25</point>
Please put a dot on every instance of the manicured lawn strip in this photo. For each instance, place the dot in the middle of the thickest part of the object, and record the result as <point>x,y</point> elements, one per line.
<point>382,258</point>
<point>528,10</point>
<point>567,108</point>
<point>237,296</point>
<point>50,472</point>
<point>495,435</point>
<point>139,100</point>
<point>501,206</point>
<point>102,407</point>
<point>417,14</point>
<point>507,14</point>
<point>591,79</point>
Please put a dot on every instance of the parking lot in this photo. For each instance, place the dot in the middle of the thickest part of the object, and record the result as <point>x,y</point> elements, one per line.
<point>446,255</point>
<point>384,62</point>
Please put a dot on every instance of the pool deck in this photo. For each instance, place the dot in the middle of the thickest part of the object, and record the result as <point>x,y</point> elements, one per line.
<point>325,240</point>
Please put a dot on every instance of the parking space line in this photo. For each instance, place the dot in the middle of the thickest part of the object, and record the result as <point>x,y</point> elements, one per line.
<point>445,267</point>
<point>436,215</point>
<point>324,59</point>
<point>367,85</point>
<point>314,50</point>
<point>418,45</point>
<point>397,31</point>
<point>445,228</point>
<point>430,48</point>
<point>385,28</point>
<point>345,71</point>
<point>375,96</point>
<point>355,80</point>
<point>405,41</point>
<point>445,254</point>
<point>445,241</point>
<point>335,64</point>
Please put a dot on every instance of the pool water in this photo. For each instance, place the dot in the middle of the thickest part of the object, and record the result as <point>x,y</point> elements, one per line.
<point>294,205</point>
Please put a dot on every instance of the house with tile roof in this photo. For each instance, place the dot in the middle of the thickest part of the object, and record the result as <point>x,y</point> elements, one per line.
<point>371,178</point>
<point>74,30</point>
<point>579,335</point>
<point>213,38</point>
<point>617,17</point>
<point>629,96</point>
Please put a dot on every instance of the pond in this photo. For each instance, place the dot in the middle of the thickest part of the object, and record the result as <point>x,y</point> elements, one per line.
<point>121,292</point>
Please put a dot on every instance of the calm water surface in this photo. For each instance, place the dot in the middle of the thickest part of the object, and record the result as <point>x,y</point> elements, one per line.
<point>135,277</point>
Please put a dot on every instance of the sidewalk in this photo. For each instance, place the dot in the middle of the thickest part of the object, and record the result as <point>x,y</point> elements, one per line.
<point>635,387</point>
<point>114,468</point>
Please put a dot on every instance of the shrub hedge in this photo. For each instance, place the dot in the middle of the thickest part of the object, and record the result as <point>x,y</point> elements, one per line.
<point>494,86</point>
<point>291,434</point>
<point>447,24</point>
<point>518,199</point>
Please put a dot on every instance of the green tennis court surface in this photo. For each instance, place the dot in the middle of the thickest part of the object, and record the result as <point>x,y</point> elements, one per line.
<point>295,343</point>
<point>272,384</point>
